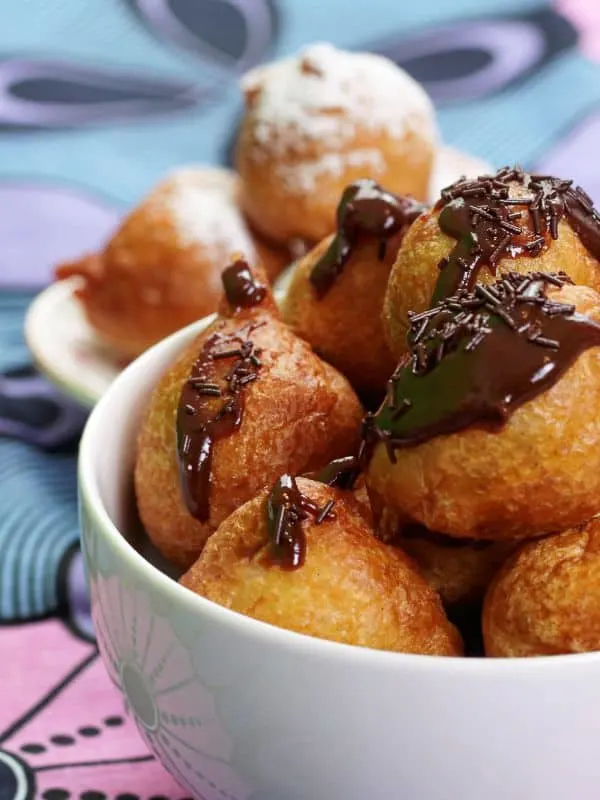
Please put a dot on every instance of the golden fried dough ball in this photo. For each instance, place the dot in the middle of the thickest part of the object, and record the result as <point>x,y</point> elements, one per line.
<point>336,293</point>
<point>245,401</point>
<point>320,120</point>
<point>343,585</point>
<point>460,570</point>
<point>496,435</point>
<point>162,268</point>
<point>546,598</point>
<point>416,272</point>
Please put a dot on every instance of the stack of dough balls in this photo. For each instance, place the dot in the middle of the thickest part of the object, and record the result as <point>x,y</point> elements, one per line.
<point>298,413</point>
<point>485,490</point>
<point>314,123</point>
<point>472,493</point>
<point>204,488</point>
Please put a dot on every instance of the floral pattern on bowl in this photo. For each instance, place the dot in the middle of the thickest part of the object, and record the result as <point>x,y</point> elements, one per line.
<point>153,669</point>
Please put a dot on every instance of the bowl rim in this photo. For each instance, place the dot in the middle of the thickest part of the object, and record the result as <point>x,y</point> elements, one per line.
<point>89,494</point>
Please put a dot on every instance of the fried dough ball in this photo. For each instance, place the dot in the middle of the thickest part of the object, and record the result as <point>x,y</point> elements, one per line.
<point>532,470</point>
<point>267,406</point>
<point>336,292</point>
<point>460,570</point>
<point>546,598</point>
<point>344,326</point>
<point>350,588</point>
<point>416,271</point>
<point>320,120</point>
<point>162,268</point>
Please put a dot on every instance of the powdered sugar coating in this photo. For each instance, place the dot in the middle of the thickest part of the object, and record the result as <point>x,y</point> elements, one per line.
<point>201,204</point>
<point>303,177</point>
<point>325,94</point>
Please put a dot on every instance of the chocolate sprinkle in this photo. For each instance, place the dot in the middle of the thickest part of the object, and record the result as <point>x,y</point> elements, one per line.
<point>199,421</point>
<point>286,508</point>
<point>480,215</point>
<point>482,355</point>
<point>366,210</point>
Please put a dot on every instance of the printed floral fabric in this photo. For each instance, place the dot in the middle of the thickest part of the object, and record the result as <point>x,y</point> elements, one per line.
<point>97,101</point>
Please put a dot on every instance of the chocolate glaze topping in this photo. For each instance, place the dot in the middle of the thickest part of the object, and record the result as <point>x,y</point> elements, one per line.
<point>211,407</point>
<point>242,290</point>
<point>287,507</point>
<point>475,357</point>
<point>489,224</point>
<point>341,473</point>
<point>365,210</point>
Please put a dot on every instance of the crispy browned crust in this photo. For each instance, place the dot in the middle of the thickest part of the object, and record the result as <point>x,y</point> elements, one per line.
<point>415,272</point>
<point>298,415</point>
<point>539,473</point>
<point>344,326</point>
<point>546,599</point>
<point>351,588</point>
<point>147,283</point>
<point>283,211</point>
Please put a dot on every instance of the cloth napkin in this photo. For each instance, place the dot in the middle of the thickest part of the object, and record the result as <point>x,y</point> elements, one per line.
<point>97,101</point>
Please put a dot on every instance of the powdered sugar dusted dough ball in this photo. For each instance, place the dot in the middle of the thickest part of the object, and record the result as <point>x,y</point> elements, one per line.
<point>320,120</point>
<point>162,268</point>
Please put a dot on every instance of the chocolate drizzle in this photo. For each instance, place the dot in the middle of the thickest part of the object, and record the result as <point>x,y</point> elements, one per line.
<point>242,290</point>
<point>287,507</point>
<point>341,473</point>
<point>211,407</point>
<point>365,210</point>
<point>491,222</point>
<point>475,357</point>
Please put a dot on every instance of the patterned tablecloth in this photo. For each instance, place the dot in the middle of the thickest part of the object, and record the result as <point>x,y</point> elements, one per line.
<point>97,100</point>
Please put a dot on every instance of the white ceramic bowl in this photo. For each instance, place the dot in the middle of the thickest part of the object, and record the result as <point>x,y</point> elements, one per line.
<point>236,709</point>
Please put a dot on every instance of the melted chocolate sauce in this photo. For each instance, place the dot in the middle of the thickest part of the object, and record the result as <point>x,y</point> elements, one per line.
<point>242,290</point>
<point>287,507</point>
<point>211,407</point>
<point>365,210</point>
<point>490,223</point>
<point>341,473</point>
<point>476,357</point>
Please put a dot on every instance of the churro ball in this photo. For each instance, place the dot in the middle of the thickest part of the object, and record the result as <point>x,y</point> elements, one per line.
<point>320,120</point>
<point>162,268</point>
<point>245,401</point>
<point>460,570</point>
<point>491,425</point>
<point>546,599</point>
<point>336,293</point>
<point>480,228</point>
<point>301,556</point>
